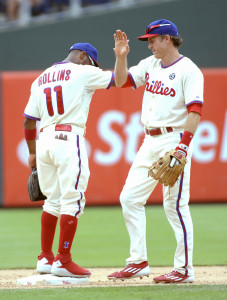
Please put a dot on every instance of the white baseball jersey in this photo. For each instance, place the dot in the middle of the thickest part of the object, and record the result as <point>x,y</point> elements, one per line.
<point>169,90</point>
<point>62,95</point>
<point>63,92</point>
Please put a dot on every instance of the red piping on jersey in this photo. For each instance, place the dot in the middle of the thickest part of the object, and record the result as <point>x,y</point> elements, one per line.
<point>164,67</point>
<point>194,102</point>
<point>132,80</point>
<point>33,118</point>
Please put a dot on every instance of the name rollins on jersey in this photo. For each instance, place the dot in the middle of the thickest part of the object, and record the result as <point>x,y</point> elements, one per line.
<point>55,76</point>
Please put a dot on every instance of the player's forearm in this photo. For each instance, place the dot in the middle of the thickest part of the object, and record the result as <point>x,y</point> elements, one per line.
<point>192,122</point>
<point>31,146</point>
<point>121,71</point>
<point>190,127</point>
<point>30,135</point>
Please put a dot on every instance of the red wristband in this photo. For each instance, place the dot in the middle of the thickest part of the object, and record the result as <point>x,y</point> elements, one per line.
<point>29,134</point>
<point>186,138</point>
<point>184,143</point>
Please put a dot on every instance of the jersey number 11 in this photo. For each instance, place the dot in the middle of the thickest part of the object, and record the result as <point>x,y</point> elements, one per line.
<point>58,91</point>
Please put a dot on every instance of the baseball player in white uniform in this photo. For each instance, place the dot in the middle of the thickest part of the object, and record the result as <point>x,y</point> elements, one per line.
<point>171,110</point>
<point>60,99</point>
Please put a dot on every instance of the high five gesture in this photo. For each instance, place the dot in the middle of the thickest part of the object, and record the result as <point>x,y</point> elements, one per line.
<point>121,51</point>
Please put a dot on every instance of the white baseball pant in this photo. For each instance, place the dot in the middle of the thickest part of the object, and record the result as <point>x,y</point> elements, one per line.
<point>63,171</point>
<point>136,192</point>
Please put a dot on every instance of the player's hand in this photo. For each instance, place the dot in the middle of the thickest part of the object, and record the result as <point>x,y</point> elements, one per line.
<point>121,43</point>
<point>32,161</point>
<point>174,162</point>
<point>182,149</point>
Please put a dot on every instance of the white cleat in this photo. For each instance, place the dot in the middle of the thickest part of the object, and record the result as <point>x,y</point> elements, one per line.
<point>44,266</point>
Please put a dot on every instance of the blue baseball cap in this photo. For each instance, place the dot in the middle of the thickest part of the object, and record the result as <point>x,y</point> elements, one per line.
<point>89,49</point>
<point>159,27</point>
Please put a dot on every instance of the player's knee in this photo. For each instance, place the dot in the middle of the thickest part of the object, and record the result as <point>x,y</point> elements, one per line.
<point>72,211</point>
<point>169,205</point>
<point>123,198</point>
<point>128,200</point>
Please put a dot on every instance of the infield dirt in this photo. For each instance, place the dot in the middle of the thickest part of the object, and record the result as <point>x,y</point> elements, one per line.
<point>210,275</point>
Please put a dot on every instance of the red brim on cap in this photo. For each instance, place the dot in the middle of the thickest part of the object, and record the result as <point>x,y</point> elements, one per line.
<point>146,36</point>
<point>96,63</point>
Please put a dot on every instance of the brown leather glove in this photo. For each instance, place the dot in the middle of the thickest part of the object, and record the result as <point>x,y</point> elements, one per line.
<point>34,191</point>
<point>165,172</point>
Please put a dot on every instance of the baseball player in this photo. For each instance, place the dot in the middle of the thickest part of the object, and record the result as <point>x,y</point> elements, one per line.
<point>171,110</point>
<point>60,99</point>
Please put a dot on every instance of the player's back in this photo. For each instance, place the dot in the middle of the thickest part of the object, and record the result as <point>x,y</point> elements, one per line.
<point>62,95</point>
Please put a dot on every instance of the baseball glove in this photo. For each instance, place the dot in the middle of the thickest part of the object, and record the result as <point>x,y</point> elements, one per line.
<point>34,191</point>
<point>166,172</point>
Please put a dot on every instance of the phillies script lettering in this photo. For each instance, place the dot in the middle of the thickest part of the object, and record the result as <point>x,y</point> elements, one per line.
<point>157,87</point>
<point>55,76</point>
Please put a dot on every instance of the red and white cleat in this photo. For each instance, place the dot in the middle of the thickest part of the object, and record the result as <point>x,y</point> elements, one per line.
<point>131,271</point>
<point>45,261</point>
<point>63,266</point>
<point>174,277</point>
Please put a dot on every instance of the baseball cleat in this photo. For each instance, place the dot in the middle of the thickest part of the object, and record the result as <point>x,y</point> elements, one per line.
<point>131,271</point>
<point>173,277</point>
<point>63,266</point>
<point>44,264</point>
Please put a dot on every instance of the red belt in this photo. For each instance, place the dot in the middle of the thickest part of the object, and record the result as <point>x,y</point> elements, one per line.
<point>157,131</point>
<point>61,127</point>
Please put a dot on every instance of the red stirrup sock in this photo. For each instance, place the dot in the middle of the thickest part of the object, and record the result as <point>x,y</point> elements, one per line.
<point>68,225</point>
<point>48,227</point>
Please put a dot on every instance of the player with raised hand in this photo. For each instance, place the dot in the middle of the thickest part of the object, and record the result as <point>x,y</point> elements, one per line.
<point>60,98</point>
<point>171,110</point>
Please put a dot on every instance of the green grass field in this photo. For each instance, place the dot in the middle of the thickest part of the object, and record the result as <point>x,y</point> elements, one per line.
<point>102,241</point>
<point>167,292</point>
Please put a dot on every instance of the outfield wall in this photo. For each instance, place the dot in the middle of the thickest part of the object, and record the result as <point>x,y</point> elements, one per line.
<point>202,24</point>
<point>114,134</point>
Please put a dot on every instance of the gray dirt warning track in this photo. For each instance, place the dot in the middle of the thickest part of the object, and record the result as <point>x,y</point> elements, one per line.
<point>209,275</point>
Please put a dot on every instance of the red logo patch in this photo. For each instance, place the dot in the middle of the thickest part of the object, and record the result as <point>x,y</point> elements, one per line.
<point>178,155</point>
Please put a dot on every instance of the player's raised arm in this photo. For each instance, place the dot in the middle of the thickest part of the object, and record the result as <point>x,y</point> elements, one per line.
<point>121,51</point>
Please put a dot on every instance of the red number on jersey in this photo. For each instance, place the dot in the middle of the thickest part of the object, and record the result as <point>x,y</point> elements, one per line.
<point>58,91</point>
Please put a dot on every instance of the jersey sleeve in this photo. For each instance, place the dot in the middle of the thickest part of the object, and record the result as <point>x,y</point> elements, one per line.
<point>137,73</point>
<point>195,107</point>
<point>31,109</point>
<point>130,82</point>
<point>193,86</point>
<point>99,79</point>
